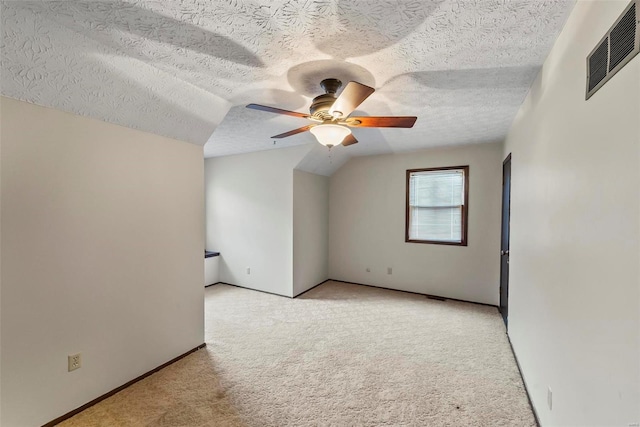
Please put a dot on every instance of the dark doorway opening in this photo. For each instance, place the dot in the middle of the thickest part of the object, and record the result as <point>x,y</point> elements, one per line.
<point>504,243</point>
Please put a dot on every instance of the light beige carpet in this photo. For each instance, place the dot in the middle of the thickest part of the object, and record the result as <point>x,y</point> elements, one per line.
<point>339,355</point>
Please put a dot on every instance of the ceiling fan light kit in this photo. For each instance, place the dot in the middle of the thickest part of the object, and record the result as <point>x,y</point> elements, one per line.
<point>330,114</point>
<point>330,135</point>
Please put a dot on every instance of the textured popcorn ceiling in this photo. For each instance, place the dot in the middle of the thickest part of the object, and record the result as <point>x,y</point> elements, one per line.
<point>185,69</point>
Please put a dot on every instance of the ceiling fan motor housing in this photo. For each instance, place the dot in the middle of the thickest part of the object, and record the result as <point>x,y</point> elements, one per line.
<point>322,103</point>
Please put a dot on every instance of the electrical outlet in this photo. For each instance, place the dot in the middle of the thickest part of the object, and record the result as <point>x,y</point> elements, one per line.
<point>368,270</point>
<point>550,398</point>
<point>389,270</point>
<point>74,362</point>
<point>248,270</point>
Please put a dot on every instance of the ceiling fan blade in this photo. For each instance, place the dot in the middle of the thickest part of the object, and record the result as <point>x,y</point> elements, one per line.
<point>349,140</point>
<point>353,95</point>
<point>277,110</point>
<point>382,122</point>
<point>293,132</point>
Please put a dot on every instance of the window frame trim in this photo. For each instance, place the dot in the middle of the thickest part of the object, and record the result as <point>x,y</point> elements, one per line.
<point>465,208</point>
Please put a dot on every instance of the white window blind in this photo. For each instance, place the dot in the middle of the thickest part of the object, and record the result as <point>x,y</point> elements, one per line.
<point>436,205</point>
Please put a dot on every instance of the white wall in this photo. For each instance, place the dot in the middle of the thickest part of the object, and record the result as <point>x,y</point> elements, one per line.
<point>310,230</point>
<point>575,233</point>
<point>249,205</point>
<point>367,226</point>
<point>101,254</point>
<point>0,262</point>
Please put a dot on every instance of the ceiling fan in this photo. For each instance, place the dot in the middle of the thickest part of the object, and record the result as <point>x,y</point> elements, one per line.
<point>330,114</point>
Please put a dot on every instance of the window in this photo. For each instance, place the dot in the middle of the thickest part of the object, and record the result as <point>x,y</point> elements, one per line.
<point>437,205</point>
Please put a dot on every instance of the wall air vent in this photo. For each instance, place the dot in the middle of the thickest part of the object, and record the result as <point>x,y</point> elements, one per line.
<point>617,47</point>
<point>598,64</point>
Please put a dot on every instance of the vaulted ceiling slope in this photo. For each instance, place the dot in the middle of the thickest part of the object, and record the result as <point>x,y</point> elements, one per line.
<point>185,69</point>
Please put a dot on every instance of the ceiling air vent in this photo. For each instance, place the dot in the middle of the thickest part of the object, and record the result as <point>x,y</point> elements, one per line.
<point>617,47</point>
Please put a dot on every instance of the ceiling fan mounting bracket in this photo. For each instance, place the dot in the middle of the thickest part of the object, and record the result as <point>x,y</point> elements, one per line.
<point>331,85</point>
